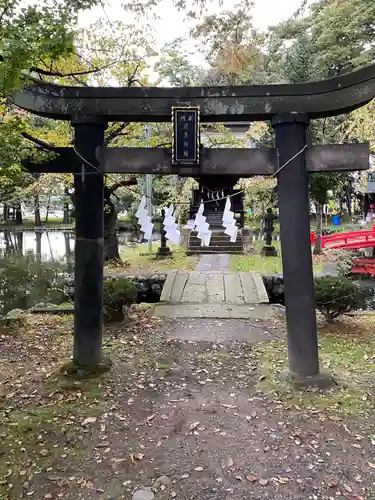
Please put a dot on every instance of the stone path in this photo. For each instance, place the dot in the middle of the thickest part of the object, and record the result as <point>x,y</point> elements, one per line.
<point>222,331</point>
<point>214,262</point>
<point>213,294</point>
<point>214,288</point>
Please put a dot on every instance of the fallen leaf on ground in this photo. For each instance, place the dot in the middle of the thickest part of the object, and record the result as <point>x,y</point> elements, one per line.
<point>119,460</point>
<point>89,420</point>
<point>252,479</point>
<point>331,483</point>
<point>194,425</point>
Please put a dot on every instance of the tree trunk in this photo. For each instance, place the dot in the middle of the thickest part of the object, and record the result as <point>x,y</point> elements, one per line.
<point>68,253</point>
<point>38,221</point>
<point>8,243</point>
<point>349,203</point>
<point>19,242</point>
<point>5,212</point>
<point>18,214</point>
<point>66,206</point>
<point>47,208</point>
<point>318,243</point>
<point>38,252</point>
<point>110,237</point>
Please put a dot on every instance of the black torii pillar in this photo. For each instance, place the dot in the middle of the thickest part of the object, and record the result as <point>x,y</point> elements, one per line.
<point>290,130</point>
<point>89,246</point>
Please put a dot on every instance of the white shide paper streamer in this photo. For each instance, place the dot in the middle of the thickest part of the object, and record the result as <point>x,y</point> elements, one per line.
<point>144,220</point>
<point>170,227</point>
<point>229,222</point>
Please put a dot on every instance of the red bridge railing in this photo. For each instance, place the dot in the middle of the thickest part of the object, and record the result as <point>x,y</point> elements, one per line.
<point>350,240</point>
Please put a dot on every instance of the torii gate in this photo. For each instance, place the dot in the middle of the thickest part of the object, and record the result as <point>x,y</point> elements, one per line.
<point>290,107</point>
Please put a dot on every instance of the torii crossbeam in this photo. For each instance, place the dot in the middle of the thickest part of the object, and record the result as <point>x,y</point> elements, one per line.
<point>290,107</point>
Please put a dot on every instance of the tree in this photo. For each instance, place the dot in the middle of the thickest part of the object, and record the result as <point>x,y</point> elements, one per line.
<point>175,67</point>
<point>116,55</point>
<point>41,31</point>
<point>236,52</point>
<point>341,34</point>
<point>309,55</point>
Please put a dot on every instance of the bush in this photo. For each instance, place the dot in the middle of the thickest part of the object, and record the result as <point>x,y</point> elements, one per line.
<point>336,296</point>
<point>343,259</point>
<point>14,318</point>
<point>117,294</point>
<point>24,281</point>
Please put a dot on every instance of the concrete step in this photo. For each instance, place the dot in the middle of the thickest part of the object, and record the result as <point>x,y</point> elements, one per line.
<point>199,250</point>
<point>215,234</point>
<point>215,244</point>
<point>219,239</point>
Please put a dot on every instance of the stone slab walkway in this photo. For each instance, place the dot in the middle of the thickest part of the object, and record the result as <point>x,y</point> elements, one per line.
<point>214,262</point>
<point>214,294</point>
<point>214,287</point>
<point>224,311</point>
<point>222,331</point>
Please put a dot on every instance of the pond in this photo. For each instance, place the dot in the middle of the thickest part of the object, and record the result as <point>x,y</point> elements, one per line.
<point>52,245</point>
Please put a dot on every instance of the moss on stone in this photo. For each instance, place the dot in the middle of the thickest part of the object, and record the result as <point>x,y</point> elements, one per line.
<point>72,370</point>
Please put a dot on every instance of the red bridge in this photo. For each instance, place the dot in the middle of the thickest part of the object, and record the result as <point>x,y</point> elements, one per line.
<point>353,240</point>
<point>347,241</point>
<point>364,266</point>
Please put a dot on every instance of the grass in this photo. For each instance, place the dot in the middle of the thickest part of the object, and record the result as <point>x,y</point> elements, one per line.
<point>138,259</point>
<point>30,223</point>
<point>346,350</point>
<point>265,265</point>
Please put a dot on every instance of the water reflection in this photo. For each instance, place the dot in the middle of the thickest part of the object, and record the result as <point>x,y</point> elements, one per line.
<point>45,245</point>
<point>50,246</point>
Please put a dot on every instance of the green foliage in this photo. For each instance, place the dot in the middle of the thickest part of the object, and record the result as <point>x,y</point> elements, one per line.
<point>174,66</point>
<point>24,282</point>
<point>298,62</point>
<point>341,34</point>
<point>14,318</point>
<point>344,260</point>
<point>117,294</point>
<point>260,194</point>
<point>336,296</point>
<point>34,33</point>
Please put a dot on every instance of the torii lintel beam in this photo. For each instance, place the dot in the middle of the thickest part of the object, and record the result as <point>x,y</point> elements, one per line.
<point>217,104</point>
<point>237,161</point>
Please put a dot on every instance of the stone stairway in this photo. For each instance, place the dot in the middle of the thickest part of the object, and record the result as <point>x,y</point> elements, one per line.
<point>215,219</point>
<point>220,243</point>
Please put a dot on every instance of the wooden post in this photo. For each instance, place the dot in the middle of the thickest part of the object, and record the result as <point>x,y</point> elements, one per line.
<point>290,132</point>
<point>89,246</point>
